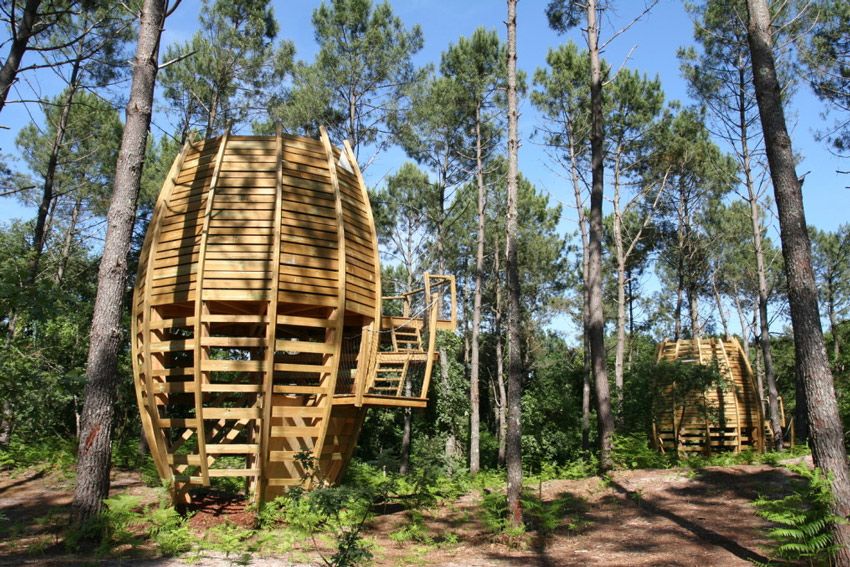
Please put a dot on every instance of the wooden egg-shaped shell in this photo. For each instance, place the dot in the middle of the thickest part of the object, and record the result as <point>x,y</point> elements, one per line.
<point>727,418</point>
<point>256,303</point>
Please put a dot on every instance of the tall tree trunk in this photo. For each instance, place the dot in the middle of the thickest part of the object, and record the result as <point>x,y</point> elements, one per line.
<point>758,248</point>
<point>833,322</point>
<point>500,363</point>
<point>721,312</point>
<point>69,240</point>
<point>826,433</point>
<point>404,458</point>
<point>407,429</point>
<point>212,115</point>
<point>7,419</point>
<point>619,249</point>
<point>596,319</point>
<point>631,300</point>
<point>94,452</point>
<point>474,416</point>
<point>693,311</point>
<point>745,327</point>
<point>21,37</point>
<point>585,304</point>
<point>47,196</point>
<point>680,263</point>
<point>513,445</point>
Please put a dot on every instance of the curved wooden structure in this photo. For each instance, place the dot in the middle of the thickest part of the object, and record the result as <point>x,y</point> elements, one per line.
<point>727,417</point>
<point>258,334</point>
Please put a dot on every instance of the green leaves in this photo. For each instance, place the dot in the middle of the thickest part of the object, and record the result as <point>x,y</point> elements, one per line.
<point>804,520</point>
<point>363,65</point>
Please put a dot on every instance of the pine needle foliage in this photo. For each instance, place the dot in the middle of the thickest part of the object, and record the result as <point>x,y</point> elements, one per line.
<point>803,520</point>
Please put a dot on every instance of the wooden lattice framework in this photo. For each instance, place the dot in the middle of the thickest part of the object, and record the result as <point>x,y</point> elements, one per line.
<point>258,333</point>
<point>729,418</point>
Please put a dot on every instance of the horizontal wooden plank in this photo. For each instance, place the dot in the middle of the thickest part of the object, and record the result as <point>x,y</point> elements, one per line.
<point>232,448</point>
<point>296,431</point>
<point>234,342</point>
<point>231,413</point>
<point>298,411</point>
<point>293,389</point>
<point>232,365</point>
<point>304,346</point>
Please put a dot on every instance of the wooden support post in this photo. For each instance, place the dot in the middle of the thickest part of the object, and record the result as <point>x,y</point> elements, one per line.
<point>202,327</point>
<point>271,329</point>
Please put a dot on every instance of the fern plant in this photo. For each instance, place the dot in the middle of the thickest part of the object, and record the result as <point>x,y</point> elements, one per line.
<point>804,521</point>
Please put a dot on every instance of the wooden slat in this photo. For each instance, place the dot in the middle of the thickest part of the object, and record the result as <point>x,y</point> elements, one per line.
<point>199,310</point>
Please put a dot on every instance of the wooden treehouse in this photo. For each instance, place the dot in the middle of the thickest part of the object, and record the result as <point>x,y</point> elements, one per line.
<point>259,339</point>
<point>728,416</point>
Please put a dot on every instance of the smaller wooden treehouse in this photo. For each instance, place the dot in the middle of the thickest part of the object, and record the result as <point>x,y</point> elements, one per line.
<point>723,413</point>
<point>259,335</point>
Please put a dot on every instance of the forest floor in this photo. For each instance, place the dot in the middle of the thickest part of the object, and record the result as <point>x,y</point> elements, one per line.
<point>675,517</point>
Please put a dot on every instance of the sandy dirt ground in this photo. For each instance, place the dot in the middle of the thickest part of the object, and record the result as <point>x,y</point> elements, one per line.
<point>671,517</point>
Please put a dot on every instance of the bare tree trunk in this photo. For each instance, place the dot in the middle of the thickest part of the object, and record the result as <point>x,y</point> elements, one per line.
<point>404,464</point>
<point>513,445</point>
<point>585,306</point>
<point>833,324</point>
<point>474,416</point>
<point>745,327</point>
<point>69,240</point>
<point>758,248</point>
<point>596,319</point>
<point>94,453</point>
<point>20,38</point>
<point>619,249</point>
<point>500,364</point>
<point>6,421</point>
<point>407,431</point>
<point>826,432</point>
<point>693,311</point>
<point>47,196</point>
<point>721,312</point>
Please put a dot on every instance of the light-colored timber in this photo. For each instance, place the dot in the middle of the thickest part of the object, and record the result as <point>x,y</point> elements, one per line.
<point>260,338</point>
<point>728,416</point>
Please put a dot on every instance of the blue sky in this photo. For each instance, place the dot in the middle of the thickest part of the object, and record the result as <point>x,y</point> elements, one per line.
<point>650,44</point>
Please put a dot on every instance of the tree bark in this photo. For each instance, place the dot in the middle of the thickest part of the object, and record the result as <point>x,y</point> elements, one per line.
<point>826,432</point>
<point>585,304</point>
<point>619,248</point>
<point>47,196</point>
<point>500,364</point>
<point>474,414</point>
<point>758,248</point>
<point>596,319</point>
<point>21,37</point>
<point>693,311</point>
<point>94,453</point>
<point>721,312</point>
<point>513,441</point>
<point>69,240</point>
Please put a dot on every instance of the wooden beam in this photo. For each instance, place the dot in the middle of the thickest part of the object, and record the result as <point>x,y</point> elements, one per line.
<point>202,327</point>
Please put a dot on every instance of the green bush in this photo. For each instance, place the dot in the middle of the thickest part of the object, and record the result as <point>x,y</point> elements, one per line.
<point>633,452</point>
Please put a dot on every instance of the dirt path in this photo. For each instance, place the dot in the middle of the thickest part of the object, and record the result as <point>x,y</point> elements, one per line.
<point>643,517</point>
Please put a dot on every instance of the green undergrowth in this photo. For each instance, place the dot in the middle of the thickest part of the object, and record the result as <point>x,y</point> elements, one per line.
<point>59,455</point>
<point>802,521</point>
